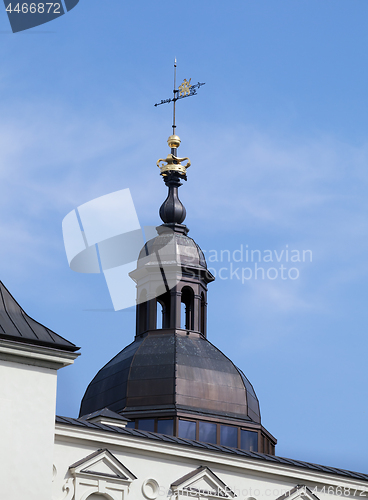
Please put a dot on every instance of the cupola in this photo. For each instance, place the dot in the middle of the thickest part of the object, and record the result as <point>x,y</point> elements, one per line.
<point>171,379</point>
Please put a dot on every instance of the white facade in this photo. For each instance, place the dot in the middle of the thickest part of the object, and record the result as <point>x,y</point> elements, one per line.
<point>99,459</point>
<point>27,418</point>
<point>157,470</point>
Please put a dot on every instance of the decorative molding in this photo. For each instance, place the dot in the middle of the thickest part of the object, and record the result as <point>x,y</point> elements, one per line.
<point>201,483</point>
<point>68,489</point>
<point>101,472</point>
<point>150,489</point>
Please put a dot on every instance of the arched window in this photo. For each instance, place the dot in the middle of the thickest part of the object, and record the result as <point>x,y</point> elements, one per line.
<point>163,309</point>
<point>202,324</point>
<point>159,315</point>
<point>187,298</point>
<point>142,312</point>
<point>98,496</point>
<point>182,316</point>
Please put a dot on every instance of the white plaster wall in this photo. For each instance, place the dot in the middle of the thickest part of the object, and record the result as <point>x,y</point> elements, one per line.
<point>27,423</point>
<point>165,468</point>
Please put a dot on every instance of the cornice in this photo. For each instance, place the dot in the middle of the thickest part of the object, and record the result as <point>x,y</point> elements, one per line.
<point>275,471</point>
<point>35,355</point>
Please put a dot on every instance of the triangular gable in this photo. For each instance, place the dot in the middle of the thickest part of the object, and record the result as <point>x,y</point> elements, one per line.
<point>102,463</point>
<point>300,491</point>
<point>203,483</point>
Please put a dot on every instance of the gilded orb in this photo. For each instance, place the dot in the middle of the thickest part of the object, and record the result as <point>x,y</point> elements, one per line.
<point>174,141</point>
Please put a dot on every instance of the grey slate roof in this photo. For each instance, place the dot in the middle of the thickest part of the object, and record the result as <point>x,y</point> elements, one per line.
<point>16,325</point>
<point>212,447</point>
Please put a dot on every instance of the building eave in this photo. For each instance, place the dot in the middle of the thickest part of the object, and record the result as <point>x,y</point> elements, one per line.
<point>256,463</point>
<point>36,355</point>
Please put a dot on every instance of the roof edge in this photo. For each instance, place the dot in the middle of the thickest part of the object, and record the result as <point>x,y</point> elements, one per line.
<point>272,459</point>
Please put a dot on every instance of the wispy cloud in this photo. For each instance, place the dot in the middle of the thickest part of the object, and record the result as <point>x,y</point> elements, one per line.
<point>276,181</point>
<point>310,189</point>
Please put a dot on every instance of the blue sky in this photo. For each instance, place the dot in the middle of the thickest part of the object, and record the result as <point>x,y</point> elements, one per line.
<point>278,143</point>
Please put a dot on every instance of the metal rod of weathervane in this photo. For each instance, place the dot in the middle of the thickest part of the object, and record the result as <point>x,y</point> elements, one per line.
<point>174,126</point>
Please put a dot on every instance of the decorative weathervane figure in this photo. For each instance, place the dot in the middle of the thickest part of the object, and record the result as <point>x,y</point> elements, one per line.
<point>173,163</point>
<point>184,88</point>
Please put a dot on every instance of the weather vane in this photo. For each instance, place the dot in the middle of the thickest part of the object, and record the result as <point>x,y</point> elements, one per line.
<point>171,168</point>
<point>184,90</point>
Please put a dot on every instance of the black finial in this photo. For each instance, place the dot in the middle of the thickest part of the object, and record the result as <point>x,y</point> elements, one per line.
<point>172,210</point>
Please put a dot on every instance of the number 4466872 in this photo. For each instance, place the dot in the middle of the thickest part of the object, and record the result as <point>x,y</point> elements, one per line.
<point>35,8</point>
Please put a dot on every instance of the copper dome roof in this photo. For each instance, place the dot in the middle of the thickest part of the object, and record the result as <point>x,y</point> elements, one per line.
<point>172,371</point>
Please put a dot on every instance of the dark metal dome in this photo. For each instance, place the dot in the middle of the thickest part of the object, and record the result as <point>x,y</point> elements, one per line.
<point>172,371</point>
<point>172,247</point>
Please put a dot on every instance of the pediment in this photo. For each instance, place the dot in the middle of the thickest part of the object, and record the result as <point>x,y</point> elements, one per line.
<point>299,492</point>
<point>203,483</point>
<point>102,463</point>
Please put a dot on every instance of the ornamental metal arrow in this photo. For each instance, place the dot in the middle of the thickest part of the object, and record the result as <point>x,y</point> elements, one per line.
<point>184,90</point>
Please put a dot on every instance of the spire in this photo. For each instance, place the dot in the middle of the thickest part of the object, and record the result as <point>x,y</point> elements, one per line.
<point>172,211</point>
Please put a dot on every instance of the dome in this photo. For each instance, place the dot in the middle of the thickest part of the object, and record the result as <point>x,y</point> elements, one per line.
<point>172,247</point>
<point>172,371</point>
